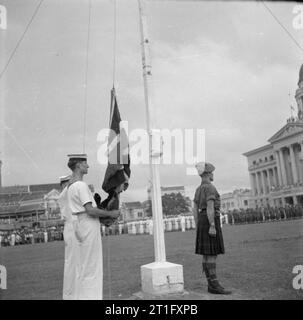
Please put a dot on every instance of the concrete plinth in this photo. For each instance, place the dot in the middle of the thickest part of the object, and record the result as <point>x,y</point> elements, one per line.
<point>160,278</point>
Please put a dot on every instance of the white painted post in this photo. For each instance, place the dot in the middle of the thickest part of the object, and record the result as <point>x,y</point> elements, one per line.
<point>103,230</point>
<point>169,224</point>
<point>129,228</point>
<point>120,228</point>
<point>134,227</point>
<point>141,229</point>
<point>187,223</point>
<point>226,218</point>
<point>193,223</point>
<point>151,226</point>
<point>182,221</point>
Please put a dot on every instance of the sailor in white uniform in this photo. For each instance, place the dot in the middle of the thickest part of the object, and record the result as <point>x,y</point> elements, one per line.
<point>71,261</point>
<point>89,285</point>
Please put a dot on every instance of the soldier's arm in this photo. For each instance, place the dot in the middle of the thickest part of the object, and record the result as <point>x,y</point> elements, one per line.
<point>211,212</point>
<point>195,213</point>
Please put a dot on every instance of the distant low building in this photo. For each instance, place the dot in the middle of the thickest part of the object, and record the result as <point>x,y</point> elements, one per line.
<point>30,202</point>
<point>168,190</point>
<point>236,200</point>
<point>147,208</point>
<point>132,211</point>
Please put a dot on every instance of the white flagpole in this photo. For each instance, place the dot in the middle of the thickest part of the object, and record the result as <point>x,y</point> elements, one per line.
<point>160,277</point>
<point>159,243</point>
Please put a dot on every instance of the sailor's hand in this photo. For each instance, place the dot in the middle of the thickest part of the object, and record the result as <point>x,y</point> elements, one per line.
<point>114,214</point>
<point>97,198</point>
<point>107,221</point>
<point>212,231</point>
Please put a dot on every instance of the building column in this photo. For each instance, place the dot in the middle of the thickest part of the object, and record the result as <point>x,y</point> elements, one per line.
<point>278,168</point>
<point>295,200</point>
<point>258,183</point>
<point>252,184</point>
<point>300,162</point>
<point>263,182</point>
<point>283,169</point>
<point>293,164</point>
<point>268,180</point>
<point>276,176</point>
<point>274,180</point>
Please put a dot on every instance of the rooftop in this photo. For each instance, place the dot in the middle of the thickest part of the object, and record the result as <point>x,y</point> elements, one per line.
<point>173,188</point>
<point>132,205</point>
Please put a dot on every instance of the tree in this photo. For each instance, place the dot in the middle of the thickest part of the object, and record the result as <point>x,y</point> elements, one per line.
<point>174,204</point>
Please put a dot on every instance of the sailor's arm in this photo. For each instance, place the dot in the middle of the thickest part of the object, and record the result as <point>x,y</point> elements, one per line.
<point>95,212</point>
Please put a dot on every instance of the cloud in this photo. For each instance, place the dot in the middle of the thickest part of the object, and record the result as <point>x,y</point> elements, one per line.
<point>214,68</point>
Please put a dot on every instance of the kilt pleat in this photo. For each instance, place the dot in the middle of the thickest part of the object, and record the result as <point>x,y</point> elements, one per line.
<point>206,244</point>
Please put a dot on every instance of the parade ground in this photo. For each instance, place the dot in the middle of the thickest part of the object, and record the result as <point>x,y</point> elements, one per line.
<point>258,263</point>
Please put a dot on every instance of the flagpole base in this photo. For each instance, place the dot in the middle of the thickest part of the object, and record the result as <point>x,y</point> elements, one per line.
<point>162,278</point>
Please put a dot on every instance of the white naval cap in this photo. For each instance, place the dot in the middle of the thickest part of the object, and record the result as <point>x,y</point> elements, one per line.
<point>64,178</point>
<point>77,156</point>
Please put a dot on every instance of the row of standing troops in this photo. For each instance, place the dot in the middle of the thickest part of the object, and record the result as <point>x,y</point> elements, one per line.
<point>264,214</point>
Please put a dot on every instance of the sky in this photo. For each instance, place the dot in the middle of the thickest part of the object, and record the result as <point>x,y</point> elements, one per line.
<point>226,67</point>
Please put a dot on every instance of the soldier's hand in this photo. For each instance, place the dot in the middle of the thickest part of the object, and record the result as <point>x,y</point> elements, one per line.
<point>212,231</point>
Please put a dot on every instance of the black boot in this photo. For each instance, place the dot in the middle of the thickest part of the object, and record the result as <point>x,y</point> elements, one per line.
<point>213,284</point>
<point>214,287</point>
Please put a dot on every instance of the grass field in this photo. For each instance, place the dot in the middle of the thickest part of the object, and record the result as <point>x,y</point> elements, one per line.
<point>258,262</point>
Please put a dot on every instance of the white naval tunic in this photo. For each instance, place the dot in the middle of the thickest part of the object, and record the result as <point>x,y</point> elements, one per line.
<point>71,259</point>
<point>88,233</point>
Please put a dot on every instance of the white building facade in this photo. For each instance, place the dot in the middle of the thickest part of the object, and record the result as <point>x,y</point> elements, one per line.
<point>132,211</point>
<point>276,169</point>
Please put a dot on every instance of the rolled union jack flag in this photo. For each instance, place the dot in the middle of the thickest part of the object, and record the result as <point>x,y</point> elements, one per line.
<point>118,169</point>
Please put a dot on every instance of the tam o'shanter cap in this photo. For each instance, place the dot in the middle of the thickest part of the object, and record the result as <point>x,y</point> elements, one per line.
<point>204,167</point>
<point>64,178</point>
<point>78,156</point>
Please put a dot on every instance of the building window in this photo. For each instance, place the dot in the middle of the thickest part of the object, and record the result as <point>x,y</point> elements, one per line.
<point>140,215</point>
<point>271,158</point>
<point>245,202</point>
<point>254,162</point>
<point>265,159</point>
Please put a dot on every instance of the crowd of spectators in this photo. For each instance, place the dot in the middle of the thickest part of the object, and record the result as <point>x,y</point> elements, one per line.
<point>30,236</point>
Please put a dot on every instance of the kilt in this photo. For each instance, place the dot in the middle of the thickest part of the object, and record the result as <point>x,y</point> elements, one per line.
<point>206,244</point>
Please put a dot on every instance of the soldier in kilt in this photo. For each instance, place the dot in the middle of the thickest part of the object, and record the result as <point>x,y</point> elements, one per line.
<point>209,238</point>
